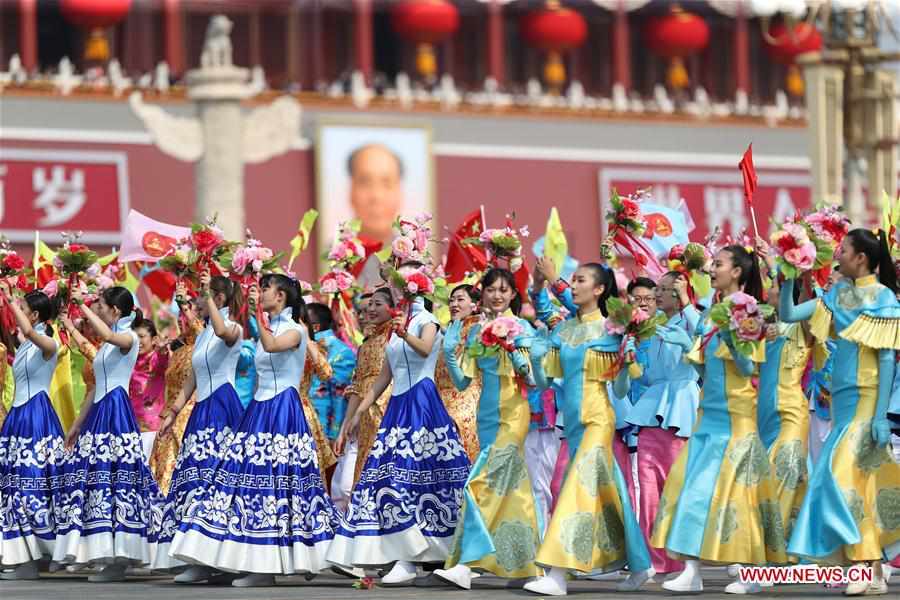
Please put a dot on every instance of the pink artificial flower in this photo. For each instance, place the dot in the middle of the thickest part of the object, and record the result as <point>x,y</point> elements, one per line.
<point>241,260</point>
<point>640,315</point>
<point>52,288</point>
<point>329,285</point>
<point>750,328</point>
<point>402,247</point>
<point>412,287</point>
<point>257,265</point>
<point>803,257</point>
<point>421,240</point>
<point>344,280</point>
<point>614,328</point>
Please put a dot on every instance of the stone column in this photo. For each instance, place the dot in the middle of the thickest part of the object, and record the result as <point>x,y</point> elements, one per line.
<point>217,93</point>
<point>362,38</point>
<point>174,40</point>
<point>621,49</point>
<point>825,118</point>
<point>496,66</point>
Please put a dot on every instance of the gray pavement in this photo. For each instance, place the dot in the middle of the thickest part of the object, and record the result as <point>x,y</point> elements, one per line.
<point>66,587</point>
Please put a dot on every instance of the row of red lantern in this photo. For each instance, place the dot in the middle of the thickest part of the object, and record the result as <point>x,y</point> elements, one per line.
<point>553,29</point>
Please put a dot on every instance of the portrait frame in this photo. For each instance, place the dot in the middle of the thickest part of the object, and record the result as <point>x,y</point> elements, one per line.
<point>336,138</point>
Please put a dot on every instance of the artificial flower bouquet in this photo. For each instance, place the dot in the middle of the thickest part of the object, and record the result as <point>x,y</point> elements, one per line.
<point>496,335</point>
<point>630,322</point>
<point>798,249</point>
<point>743,319</point>
<point>691,259</point>
<point>411,241</point>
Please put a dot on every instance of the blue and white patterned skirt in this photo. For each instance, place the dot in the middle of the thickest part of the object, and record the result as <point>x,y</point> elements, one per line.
<point>208,431</point>
<point>267,510</point>
<point>106,492</point>
<point>32,451</point>
<point>406,503</point>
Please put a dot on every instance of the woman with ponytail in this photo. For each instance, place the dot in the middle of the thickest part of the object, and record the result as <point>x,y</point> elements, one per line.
<point>719,503</point>
<point>499,531</point>
<point>216,414</point>
<point>405,506</point>
<point>31,443</point>
<point>103,507</point>
<point>850,511</point>
<point>593,527</point>
<point>266,511</point>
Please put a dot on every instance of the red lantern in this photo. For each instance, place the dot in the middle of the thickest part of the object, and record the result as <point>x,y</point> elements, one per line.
<point>96,16</point>
<point>784,45</point>
<point>425,22</point>
<point>554,29</point>
<point>675,36</point>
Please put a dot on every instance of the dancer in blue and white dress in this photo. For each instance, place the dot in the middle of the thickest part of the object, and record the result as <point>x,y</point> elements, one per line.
<point>32,445</point>
<point>267,512</point>
<point>106,492</point>
<point>405,505</point>
<point>215,416</point>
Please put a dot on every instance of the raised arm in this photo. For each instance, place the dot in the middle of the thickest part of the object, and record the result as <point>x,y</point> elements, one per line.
<point>451,345</point>
<point>790,312</point>
<point>122,341</point>
<point>46,343</point>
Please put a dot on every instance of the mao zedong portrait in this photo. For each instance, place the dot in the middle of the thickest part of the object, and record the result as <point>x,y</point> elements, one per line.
<point>376,190</point>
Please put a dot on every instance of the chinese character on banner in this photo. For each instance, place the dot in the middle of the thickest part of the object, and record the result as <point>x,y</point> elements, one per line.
<point>59,198</point>
<point>54,191</point>
<point>713,195</point>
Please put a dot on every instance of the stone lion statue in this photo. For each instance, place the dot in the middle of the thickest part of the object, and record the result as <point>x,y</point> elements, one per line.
<point>217,47</point>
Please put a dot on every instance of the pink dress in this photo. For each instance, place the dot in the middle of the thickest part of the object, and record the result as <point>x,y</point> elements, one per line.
<point>148,389</point>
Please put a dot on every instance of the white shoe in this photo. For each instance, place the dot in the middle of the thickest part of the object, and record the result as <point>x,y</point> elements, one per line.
<point>887,570</point>
<point>403,572</point>
<point>635,581</point>
<point>194,574</point>
<point>254,580</point>
<point>460,576</point>
<point>685,583</point>
<point>356,573</point>
<point>546,586</point>
<point>109,574</point>
<point>739,587</point>
<point>734,571</point>
<point>24,572</point>
<point>878,587</point>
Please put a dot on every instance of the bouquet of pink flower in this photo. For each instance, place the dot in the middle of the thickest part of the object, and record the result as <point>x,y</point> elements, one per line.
<point>412,239</point>
<point>336,281</point>
<point>630,322</point>
<point>829,224</point>
<point>505,243</point>
<point>795,252</point>
<point>178,260</point>
<point>499,334</point>
<point>742,318</point>
<point>347,249</point>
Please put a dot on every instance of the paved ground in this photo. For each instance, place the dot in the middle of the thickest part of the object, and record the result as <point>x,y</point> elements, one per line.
<point>69,587</point>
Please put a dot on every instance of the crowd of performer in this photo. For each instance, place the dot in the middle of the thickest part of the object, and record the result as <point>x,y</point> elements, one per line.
<point>264,443</point>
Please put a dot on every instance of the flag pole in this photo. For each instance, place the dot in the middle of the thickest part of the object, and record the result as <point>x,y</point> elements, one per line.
<point>483,220</point>
<point>755,228</point>
<point>35,259</point>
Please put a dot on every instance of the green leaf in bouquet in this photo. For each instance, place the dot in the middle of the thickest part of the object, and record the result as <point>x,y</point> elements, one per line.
<point>720,314</point>
<point>647,329</point>
<point>744,347</point>
<point>787,269</point>
<point>766,310</point>
<point>701,282</point>
<point>618,311</point>
<point>694,256</point>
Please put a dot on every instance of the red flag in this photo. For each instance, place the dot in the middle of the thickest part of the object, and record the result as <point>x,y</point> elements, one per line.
<point>465,258</point>
<point>749,174</point>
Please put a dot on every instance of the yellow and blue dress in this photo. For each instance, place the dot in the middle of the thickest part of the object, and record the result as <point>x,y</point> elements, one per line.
<point>852,508</point>
<point>783,415</point>
<point>498,527</point>
<point>593,526</point>
<point>719,503</point>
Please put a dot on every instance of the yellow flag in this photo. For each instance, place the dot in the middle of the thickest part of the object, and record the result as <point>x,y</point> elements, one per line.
<point>556,247</point>
<point>61,386</point>
<point>304,230</point>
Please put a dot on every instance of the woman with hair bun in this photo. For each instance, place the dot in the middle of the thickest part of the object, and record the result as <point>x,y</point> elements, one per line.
<point>720,502</point>
<point>31,443</point>
<point>103,504</point>
<point>850,514</point>
<point>266,512</point>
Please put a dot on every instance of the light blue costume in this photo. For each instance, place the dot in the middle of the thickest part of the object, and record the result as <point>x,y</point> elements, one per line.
<point>328,396</point>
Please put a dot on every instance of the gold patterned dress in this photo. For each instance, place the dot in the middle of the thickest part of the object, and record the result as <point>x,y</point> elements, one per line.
<point>317,365</point>
<point>462,406</point>
<point>165,447</point>
<point>369,361</point>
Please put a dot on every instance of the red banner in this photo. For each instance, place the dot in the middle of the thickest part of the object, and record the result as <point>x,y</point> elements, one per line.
<point>714,195</point>
<point>63,191</point>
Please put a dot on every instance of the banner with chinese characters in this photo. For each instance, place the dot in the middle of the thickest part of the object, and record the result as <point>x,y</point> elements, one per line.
<point>57,191</point>
<point>714,195</point>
